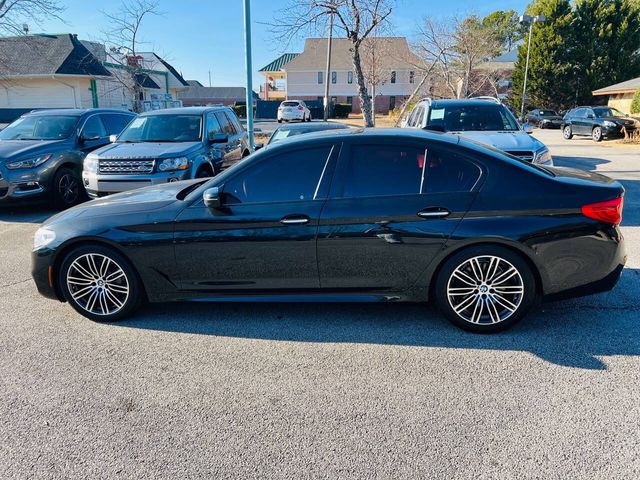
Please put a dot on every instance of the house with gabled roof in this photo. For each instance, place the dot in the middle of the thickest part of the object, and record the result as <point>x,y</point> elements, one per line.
<point>274,86</point>
<point>620,94</point>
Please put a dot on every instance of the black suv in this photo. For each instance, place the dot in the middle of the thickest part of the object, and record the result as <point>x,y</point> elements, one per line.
<point>41,153</point>
<point>596,122</point>
<point>543,118</point>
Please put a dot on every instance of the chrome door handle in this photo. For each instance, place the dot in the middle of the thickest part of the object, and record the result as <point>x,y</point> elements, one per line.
<point>295,220</point>
<point>436,212</point>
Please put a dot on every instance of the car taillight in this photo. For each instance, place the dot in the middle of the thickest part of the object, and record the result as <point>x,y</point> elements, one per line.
<point>609,211</point>
<point>299,107</point>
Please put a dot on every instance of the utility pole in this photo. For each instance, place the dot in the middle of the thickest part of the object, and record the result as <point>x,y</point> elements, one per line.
<point>247,50</point>
<point>328,71</point>
<point>524,19</point>
<point>209,77</point>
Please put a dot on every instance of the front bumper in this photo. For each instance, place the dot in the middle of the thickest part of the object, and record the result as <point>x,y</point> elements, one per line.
<point>22,185</point>
<point>42,273</point>
<point>100,185</point>
<point>617,131</point>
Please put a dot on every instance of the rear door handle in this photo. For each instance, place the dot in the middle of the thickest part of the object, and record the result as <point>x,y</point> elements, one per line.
<point>295,220</point>
<point>434,212</point>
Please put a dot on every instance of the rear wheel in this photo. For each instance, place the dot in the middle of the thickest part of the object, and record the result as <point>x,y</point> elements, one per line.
<point>67,188</point>
<point>485,289</point>
<point>567,133</point>
<point>99,283</point>
<point>596,134</point>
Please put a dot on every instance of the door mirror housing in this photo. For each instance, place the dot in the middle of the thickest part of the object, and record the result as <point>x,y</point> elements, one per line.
<point>527,128</point>
<point>258,146</point>
<point>113,138</point>
<point>212,197</point>
<point>215,137</point>
<point>83,139</point>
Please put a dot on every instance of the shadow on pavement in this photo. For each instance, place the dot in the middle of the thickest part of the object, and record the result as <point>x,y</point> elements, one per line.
<point>573,333</point>
<point>36,213</point>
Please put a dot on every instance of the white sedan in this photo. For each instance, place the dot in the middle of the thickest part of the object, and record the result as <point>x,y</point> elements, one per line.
<point>293,110</point>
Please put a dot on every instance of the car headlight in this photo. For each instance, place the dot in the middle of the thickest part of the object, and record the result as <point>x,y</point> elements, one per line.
<point>90,164</point>
<point>607,123</point>
<point>43,237</point>
<point>543,157</point>
<point>30,162</point>
<point>169,164</point>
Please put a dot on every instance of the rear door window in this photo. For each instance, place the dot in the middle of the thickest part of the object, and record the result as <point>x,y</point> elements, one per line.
<point>449,172</point>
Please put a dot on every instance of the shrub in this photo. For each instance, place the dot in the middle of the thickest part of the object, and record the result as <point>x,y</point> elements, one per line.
<point>635,103</point>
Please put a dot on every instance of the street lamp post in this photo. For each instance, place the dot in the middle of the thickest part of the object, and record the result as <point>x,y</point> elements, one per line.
<point>247,46</point>
<point>530,20</point>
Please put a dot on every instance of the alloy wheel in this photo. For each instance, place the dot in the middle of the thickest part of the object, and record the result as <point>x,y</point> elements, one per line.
<point>485,289</point>
<point>567,132</point>
<point>98,284</point>
<point>68,188</point>
<point>596,134</point>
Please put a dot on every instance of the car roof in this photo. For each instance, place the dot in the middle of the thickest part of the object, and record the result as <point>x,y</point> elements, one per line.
<point>463,101</point>
<point>313,125</point>
<point>185,110</point>
<point>75,111</point>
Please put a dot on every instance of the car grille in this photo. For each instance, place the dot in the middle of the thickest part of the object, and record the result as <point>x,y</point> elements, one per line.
<point>522,154</point>
<point>128,167</point>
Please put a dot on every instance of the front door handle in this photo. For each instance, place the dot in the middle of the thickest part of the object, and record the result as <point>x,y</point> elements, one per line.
<point>295,220</point>
<point>434,212</point>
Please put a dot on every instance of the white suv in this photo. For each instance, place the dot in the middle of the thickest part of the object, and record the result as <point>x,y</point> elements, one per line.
<point>293,110</point>
<point>485,120</point>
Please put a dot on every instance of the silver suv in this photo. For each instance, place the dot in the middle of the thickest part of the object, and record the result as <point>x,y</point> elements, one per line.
<point>485,120</point>
<point>166,146</point>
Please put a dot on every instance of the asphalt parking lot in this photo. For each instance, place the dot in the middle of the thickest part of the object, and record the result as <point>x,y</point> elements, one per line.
<point>323,391</point>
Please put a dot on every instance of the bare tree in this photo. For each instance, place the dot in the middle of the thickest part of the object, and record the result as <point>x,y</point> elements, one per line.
<point>457,48</point>
<point>356,18</point>
<point>123,41</point>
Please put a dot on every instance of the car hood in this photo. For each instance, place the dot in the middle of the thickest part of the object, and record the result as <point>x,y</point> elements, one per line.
<point>504,140</point>
<point>12,149</point>
<point>140,200</point>
<point>120,151</point>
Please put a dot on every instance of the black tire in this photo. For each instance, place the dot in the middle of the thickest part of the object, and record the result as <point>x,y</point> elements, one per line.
<point>93,303</point>
<point>567,132</point>
<point>279,120</point>
<point>67,188</point>
<point>596,134</point>
<point>204,171</point>
<point>499,303</point>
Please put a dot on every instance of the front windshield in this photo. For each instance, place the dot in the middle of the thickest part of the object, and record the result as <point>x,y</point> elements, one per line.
<point>163,128</point>
<point>40,127</point>
<point>472,117</point>
<point>604,112</point>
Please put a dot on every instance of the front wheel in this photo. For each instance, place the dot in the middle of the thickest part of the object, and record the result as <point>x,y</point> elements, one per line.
<point>99,283</point>
<point>485,289</point>
<point>596,134</point>
<point>67,188</point>
<point>567,133</point>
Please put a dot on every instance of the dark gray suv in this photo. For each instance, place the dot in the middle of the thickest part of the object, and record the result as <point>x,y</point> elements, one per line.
<point>41,153</point>
<point>166,146</point>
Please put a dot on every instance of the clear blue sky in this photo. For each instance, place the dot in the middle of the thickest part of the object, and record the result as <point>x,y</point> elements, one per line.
<point>201,35</point>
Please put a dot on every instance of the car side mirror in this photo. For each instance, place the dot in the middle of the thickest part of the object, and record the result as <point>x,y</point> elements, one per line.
<point>527,128</point>
<point>215,137</point>
<point>591,115</point>
<point>212,197</point>
<point>84,139</point>
<point>113,138</point>
<point>258,146</point>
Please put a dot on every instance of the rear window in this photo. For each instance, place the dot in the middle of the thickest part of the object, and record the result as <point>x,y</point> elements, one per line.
<point>290,104</point>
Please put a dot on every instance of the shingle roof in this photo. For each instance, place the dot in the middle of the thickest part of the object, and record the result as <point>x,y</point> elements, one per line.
<point>279,62</point>
<point>48,55</point>
<point>173,71</point>
<point>394,51</point>
<point>145,81</point>
<point>629,86</point>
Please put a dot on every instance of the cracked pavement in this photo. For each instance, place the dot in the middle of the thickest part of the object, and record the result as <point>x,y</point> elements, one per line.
<point>322,391</point>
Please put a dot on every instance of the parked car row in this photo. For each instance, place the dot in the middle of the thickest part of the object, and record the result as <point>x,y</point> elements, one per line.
<point>66,154</point>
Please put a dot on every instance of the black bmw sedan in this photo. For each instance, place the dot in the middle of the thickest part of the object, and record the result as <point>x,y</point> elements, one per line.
<point>353,215</point>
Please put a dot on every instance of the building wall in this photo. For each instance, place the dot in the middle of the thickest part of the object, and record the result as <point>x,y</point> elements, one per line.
<point>383,102</point>
<point>621,101</point>
<point>71,92</point>
<point>305,83</point>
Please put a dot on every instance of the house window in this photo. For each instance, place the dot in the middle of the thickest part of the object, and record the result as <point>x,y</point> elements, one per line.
<point>412,76</point>
<point>334,77</point>
<point>349,77</point>
<point>350,100</point>
<point>393,76</point>
<point>319,77</point>
<point>392,102</point>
